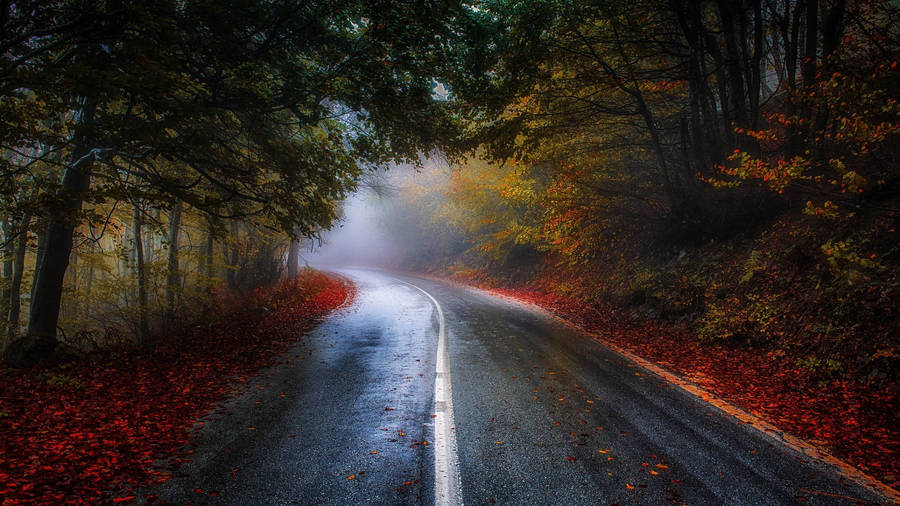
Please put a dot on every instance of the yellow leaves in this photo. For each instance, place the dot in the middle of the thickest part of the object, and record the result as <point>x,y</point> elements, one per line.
<point>777,175</point>
<point>853,182</point>
<point>827,210</point>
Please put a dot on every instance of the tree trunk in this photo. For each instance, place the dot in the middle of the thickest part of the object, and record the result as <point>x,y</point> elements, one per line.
<point>173,278</point>
<point>143,327</point>
<point>7,253</point>
<point>149,252</point>
<point>89,283</point>
<point>832,34</point>
<point>8,245</point>
<point>811,44</point>
<point>15,291</point>
<point>756,63</point>
<point>71,310</point>
<point>232,267</point>
<point>792,45</point>
<point>732,35</point>
<point>293,259</point>
<point>41,249</point>
<point>675,205</point>
<point>40,340</point>
<point>209,253</point>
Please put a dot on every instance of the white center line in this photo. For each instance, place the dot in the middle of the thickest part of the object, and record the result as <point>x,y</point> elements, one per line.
<point>447,487</point>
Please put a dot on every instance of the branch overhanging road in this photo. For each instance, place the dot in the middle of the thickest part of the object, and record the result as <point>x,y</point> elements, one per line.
<point>366,410</point>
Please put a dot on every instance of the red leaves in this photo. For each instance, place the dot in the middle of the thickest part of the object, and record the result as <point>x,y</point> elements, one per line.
<point>76,431</point>
<point>857,423</point>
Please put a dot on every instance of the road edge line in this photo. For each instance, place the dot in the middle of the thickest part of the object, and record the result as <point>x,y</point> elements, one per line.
<point>447,483</point>
<point>759,424</point>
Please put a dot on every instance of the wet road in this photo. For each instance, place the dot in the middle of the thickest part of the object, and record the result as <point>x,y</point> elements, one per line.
<point>422,392</point>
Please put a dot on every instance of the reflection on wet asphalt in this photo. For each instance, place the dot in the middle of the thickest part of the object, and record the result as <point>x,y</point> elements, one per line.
<point>543,415</point>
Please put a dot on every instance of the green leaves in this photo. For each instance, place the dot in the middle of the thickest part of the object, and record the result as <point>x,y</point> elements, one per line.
<point>220,104</point>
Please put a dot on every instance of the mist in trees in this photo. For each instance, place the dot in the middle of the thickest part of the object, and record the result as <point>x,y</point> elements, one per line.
<point>154,151</point>
<point>239,118</point>
<point>729,166</point>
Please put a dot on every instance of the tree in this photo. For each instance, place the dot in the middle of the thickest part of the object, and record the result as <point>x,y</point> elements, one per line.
<point>265,109</point>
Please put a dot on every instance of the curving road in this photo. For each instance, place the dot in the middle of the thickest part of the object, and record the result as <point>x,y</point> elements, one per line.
<point>422,392</point>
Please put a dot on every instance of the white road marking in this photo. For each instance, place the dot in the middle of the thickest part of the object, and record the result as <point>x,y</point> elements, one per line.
<point>447,486</point>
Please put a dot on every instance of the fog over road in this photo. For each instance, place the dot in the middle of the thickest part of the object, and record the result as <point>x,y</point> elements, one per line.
<point>533,412</point>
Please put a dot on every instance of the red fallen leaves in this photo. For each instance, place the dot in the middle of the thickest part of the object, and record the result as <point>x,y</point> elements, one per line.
<point>72,432</point>
<point>856,422</point>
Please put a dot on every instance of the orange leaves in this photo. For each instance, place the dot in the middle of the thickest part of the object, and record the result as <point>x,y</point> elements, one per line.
<point>659,86</point>
<point>777,174</point>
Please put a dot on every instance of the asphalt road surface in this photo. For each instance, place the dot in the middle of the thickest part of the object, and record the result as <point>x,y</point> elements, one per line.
<point>422,392</point>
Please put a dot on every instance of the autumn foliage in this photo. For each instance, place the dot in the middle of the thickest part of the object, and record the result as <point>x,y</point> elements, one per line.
<point>712,185</point>
<point>853,421</point>
<point>75,431</point>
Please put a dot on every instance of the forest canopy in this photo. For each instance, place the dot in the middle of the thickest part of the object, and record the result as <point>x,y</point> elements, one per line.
<point>262,114</point>
<point>728,165</point>
<point>170,145</point>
